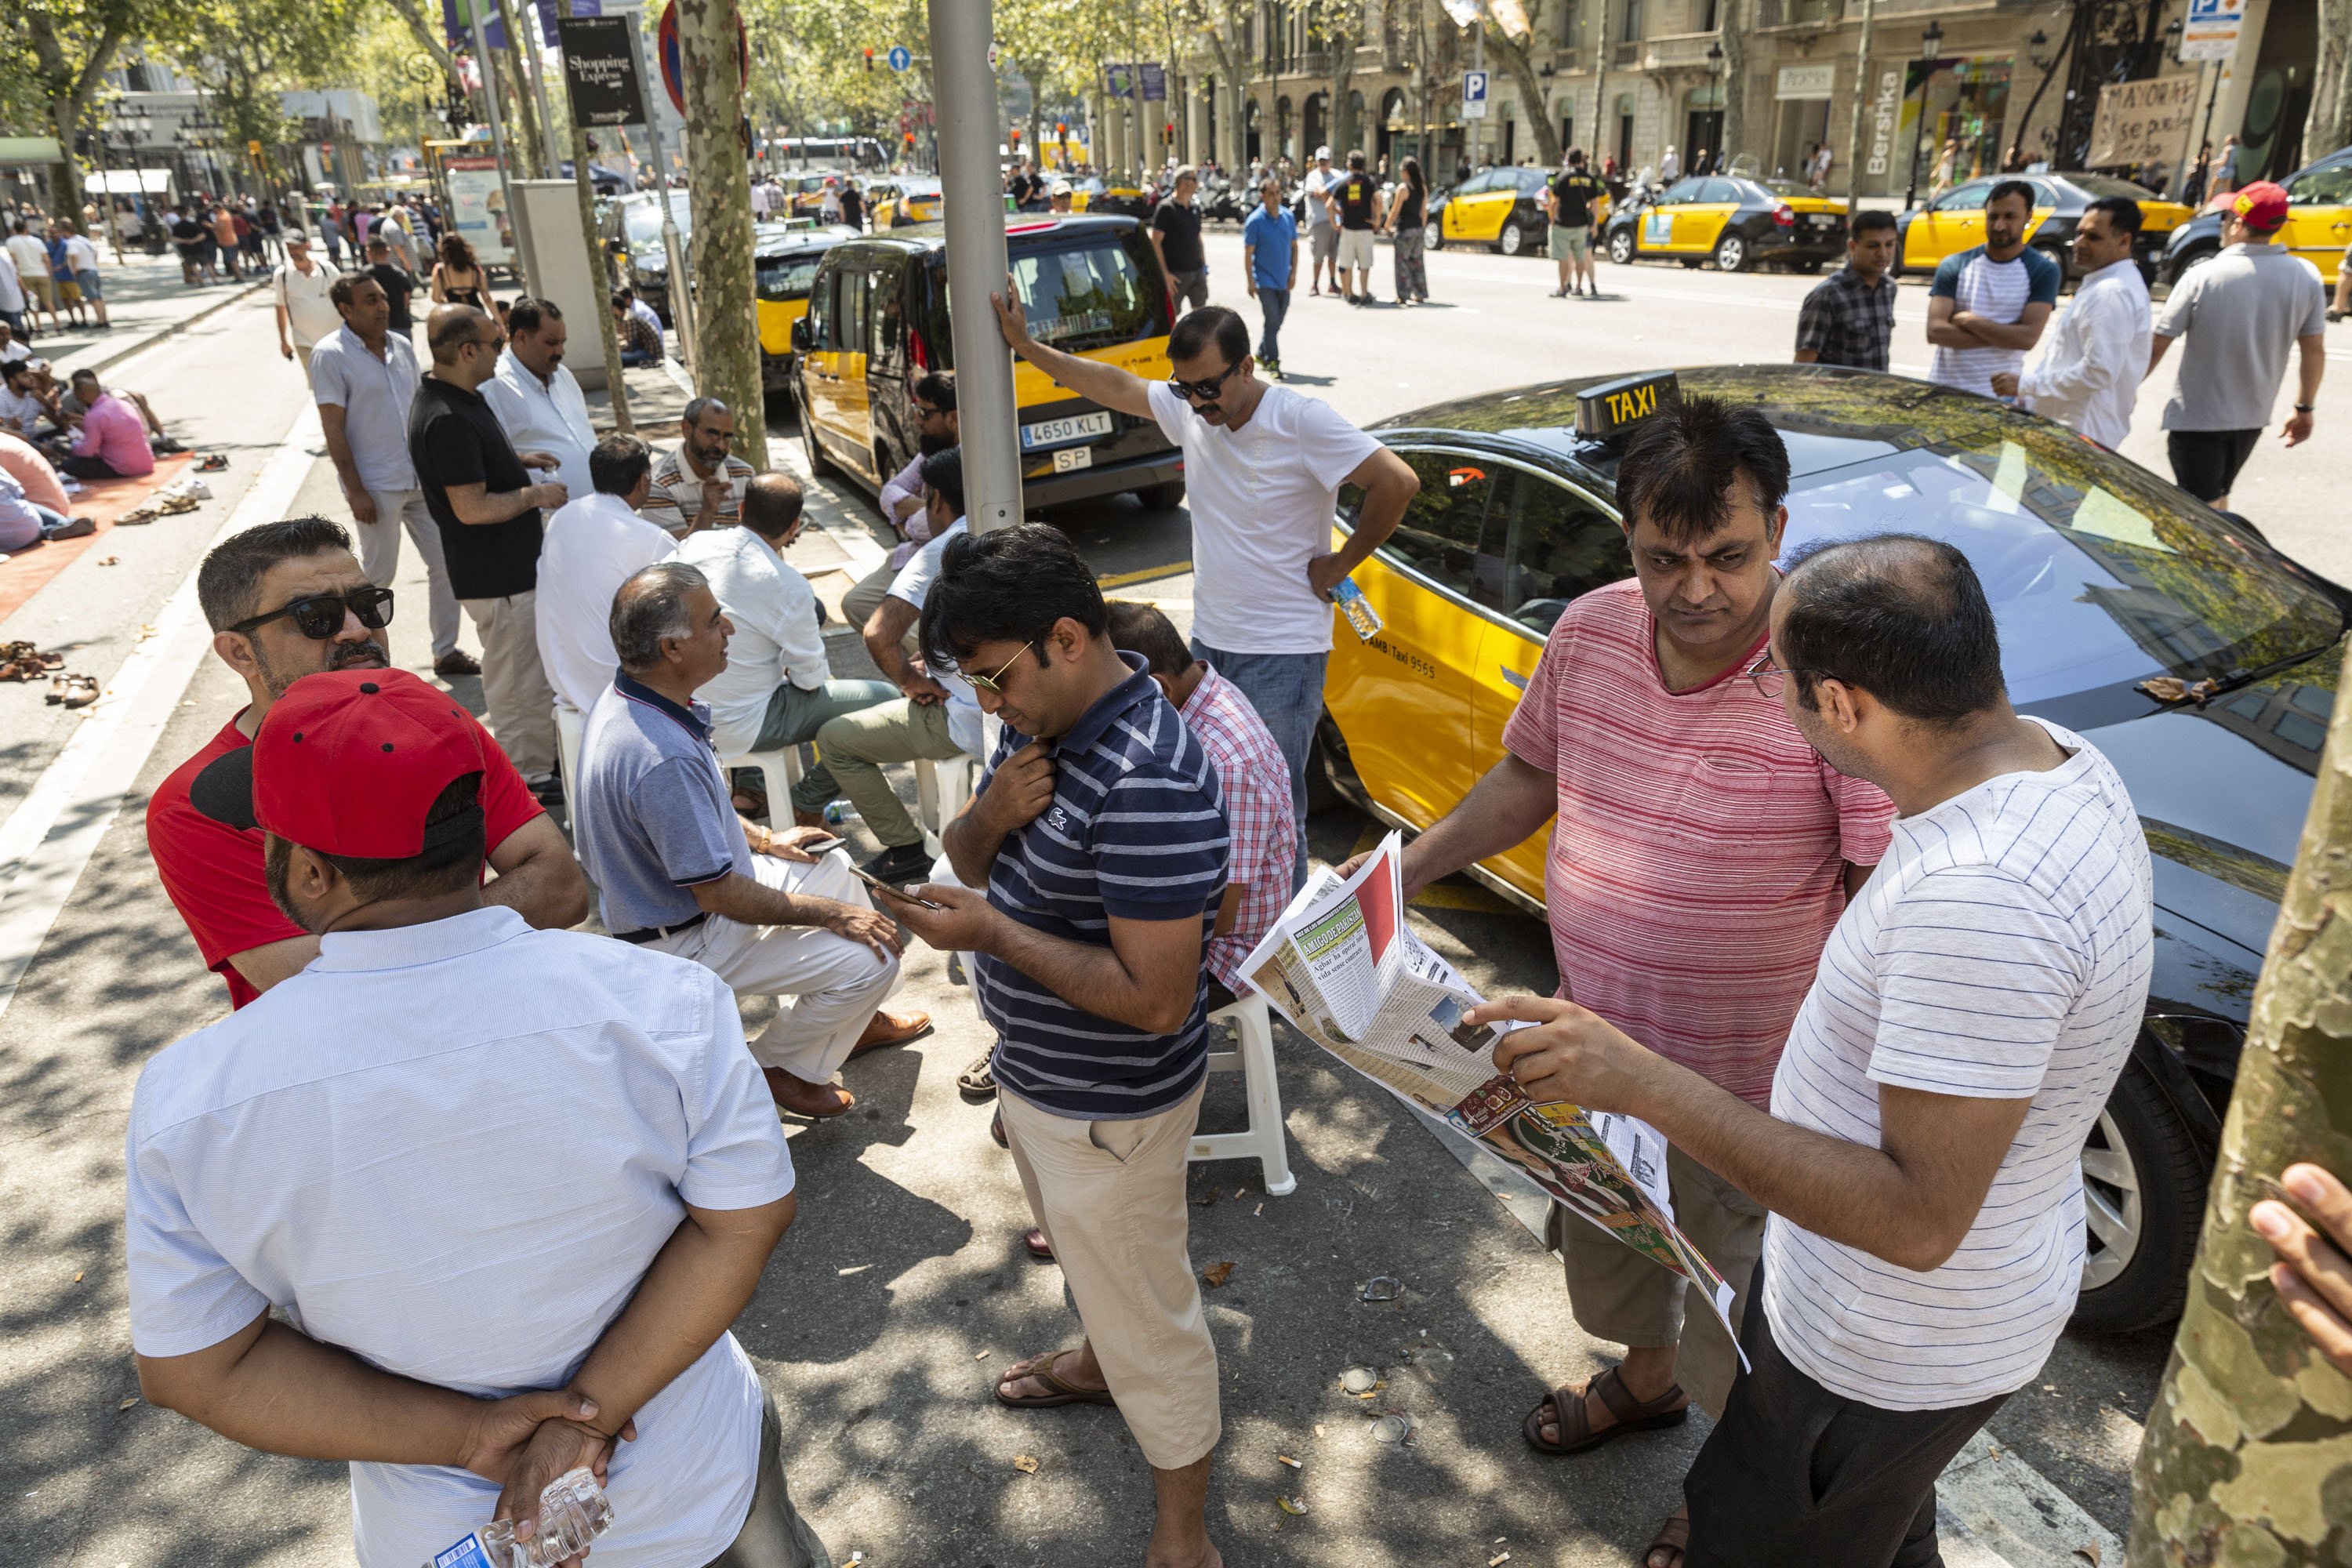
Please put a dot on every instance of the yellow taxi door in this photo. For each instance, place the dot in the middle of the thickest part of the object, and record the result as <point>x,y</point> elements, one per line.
<point>2319,218</point>
<point>1699,224</point>
<point>1403,700</point>
<point>844,413</point>
<point>1663,227</point>
<point>1556,544</point>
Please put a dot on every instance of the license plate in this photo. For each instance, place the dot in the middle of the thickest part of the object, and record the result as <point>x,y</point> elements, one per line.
<point>1047,432</point>
<point>1070,457</point>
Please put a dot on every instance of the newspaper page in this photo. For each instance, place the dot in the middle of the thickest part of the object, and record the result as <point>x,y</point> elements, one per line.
<point>1343,964</point>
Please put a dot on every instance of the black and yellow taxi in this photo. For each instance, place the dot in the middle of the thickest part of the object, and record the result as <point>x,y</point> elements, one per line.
<point>2319,222</point>
<point>1095,195</point>
<point>1954,221</point>
<point>877,319</point>
<point>2101,577</point>
<point>785,260</point>
<point>903,199</point>
<point>1502,207</point>
<point>1733,219</point>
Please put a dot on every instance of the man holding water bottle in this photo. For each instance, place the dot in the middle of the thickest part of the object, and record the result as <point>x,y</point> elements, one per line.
<point>1264,466</point>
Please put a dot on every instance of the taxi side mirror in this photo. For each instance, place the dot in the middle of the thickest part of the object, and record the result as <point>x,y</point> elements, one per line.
<point>801,343</point>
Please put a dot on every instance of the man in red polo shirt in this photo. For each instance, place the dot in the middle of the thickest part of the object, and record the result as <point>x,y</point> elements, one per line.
<point>287,600</point>
<point>1702,853</point>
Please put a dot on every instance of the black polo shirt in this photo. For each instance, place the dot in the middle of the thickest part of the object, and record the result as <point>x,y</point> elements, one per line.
<point>1356,195</point>
<point>455,440</point>
<point>1180,235</point>
<point>1575,192</point>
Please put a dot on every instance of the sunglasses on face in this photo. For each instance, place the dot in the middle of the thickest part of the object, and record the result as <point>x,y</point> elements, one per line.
<point>992,682</point>
<point>1204,389</point>
<point>320,616</point>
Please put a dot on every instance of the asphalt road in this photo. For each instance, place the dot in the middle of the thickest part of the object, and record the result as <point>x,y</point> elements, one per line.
<point>902,1291</point>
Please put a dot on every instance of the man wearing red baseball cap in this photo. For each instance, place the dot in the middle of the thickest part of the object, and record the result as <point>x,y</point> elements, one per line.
<point>505,1188</point>
<point>2240,311</point>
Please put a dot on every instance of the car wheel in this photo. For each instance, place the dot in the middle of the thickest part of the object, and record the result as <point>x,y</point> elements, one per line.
<point>1621,247</point>
<point>2144,1184</point>
<point>819,464</point>
<point>1433,233</point>
<point>1161,498</point>
<point>1513,239</point>
<point>2065,269</point>
<point>2192,259</point>
<point>1731,253</point>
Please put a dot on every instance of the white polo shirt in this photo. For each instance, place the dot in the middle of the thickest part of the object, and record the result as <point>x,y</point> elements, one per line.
<point>777,639</point>
<point>309,313</point>
<point>549,416</point>
<point>593,544</point>
<point>463,1181</point>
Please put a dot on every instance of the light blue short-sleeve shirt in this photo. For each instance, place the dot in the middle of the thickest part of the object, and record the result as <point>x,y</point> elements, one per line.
<point>374,394</point>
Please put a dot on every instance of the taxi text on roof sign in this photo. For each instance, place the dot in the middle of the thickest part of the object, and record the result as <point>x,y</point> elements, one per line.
<point>1613,408</point>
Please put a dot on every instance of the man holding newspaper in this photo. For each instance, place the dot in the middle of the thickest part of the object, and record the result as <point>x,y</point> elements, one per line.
<point>1702,853</point>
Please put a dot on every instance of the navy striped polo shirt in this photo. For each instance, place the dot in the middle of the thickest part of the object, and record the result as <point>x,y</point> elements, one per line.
<point>1137,829</point>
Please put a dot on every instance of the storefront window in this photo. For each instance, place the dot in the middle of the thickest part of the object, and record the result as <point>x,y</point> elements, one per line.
<point>1960,139</point>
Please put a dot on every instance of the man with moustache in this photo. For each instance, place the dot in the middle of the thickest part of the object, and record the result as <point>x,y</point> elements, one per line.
<point>1702,855</point>
<point>286,600</point>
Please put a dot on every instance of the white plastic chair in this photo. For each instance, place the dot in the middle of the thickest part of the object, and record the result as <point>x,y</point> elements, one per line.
<point>1264,1139</point>
<point>941,788</point>
<point>779,772</point>
<point>570,725</point>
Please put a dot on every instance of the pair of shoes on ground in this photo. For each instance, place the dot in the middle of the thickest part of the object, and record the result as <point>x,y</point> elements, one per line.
<point>822,1101</point>
<point>70,690</point>
<point>24,661</point>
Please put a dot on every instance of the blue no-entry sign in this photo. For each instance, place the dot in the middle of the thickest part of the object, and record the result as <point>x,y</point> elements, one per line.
<point>901,56</point>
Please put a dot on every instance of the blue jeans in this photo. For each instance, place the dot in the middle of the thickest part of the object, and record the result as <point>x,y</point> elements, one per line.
<point>1275,303</point>
<point>17,534</point>
<point>1287,689</point>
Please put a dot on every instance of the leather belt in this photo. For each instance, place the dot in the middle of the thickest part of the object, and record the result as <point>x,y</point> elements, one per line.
<point>655,933</point>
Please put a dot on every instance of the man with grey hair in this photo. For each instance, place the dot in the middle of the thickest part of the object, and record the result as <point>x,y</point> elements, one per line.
<point>698,483</point>
<point>676,869</point>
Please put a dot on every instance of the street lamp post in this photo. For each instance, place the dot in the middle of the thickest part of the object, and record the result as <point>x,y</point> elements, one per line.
<point>1930,42</point>
<point>1715,68</point>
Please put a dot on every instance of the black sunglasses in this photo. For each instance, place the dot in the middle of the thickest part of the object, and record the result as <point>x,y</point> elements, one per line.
<point>320,616</point>
<point>1209,388</point>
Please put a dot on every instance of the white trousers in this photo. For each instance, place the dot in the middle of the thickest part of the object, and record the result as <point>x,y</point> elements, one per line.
<point>379,544</point>
<point>831,985</point>
<point>514,686</point>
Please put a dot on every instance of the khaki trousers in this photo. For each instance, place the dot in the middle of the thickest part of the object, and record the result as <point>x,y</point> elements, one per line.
<point>1618,1294</point>
<point>379,544</point>
<point>1109,1195</point>
<point>854,746</point>
<point>514,686</point>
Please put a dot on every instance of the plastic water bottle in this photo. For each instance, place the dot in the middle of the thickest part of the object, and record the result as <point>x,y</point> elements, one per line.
<point>840,811</point>
<point>573,1512</point>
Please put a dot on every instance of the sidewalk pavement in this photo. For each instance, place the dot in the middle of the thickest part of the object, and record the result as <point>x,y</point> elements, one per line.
<point>145,301</point>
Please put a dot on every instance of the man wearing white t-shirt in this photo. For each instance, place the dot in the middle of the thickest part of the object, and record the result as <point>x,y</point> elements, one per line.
<point>1973,1008</point>
<point>1263,465</point>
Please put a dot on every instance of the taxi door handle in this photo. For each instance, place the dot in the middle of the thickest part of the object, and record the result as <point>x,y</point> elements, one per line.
<point>1518,682</point>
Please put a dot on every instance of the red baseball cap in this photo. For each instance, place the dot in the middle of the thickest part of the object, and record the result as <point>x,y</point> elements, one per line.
<point>350,762</point>
<point>2261,205</point>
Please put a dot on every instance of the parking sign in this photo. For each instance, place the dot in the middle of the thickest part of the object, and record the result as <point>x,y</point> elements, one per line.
<point>2211,29</point>
<point>1474,95</point>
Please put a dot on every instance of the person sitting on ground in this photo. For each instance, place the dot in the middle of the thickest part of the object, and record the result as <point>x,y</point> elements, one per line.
<point>469,1197</point>
<point>930,719</point>
<point>593,543</point>
<point>778,688</point>
<point>902,499</point>
<point>24,522</point>
<point>698,483</point>
<point>676,869</point>
<point>26,409</point>
<point>69,404</point>
<point>23,462</point>
<point>110,440</point>
<point>640,343</point>
<point>286,600</point>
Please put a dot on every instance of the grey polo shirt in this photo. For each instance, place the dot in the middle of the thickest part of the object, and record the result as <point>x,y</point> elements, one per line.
<point>374,394</point>
<point>653,818</point>
<point>2242,311</point>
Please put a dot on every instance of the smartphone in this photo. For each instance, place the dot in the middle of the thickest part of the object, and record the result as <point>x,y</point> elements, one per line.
<point>890,888</point>
<point>819,846</point>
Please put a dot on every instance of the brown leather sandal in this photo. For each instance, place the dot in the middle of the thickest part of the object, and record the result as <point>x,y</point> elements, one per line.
<point>1041,1368</point>
<point>1672,1536</point>
<point>1576,1433</point>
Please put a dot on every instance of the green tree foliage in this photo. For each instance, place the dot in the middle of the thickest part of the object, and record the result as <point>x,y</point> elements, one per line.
<point>66,48</point>
<point>246,52</point>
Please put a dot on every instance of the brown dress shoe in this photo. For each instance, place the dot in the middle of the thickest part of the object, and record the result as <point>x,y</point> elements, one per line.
<point>888,1028</point>
<point>817,1101</point>
<point>457,661</point>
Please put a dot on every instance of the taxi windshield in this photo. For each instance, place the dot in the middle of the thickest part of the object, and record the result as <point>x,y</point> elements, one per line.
<point>788,276</point>
<point>2097,577</point>
<point>1086,296</point>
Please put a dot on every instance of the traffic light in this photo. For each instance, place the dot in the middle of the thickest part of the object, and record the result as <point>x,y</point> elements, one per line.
<point>870,60</point>
<point>1016,136</point>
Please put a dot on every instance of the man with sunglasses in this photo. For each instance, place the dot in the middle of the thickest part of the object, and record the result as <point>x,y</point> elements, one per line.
<point>287,600</point>
<point>1263,466</point>
<point>698,483</point>
<point>479,490</point>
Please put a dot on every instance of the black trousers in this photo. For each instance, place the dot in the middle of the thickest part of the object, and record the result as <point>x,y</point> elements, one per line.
<point>1796,1474</point>
<point>2205,463</point>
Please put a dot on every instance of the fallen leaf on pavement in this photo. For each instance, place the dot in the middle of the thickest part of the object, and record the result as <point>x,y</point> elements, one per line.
<point>77,1274</point>
<point>111,561</point>
<point>1217,1274</point>
<point>1025,1464</point>
<point>128,1403</point>
<point>2091,1550</point>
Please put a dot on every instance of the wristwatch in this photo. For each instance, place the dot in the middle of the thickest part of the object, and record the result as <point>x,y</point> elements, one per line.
<point>2306,408</point>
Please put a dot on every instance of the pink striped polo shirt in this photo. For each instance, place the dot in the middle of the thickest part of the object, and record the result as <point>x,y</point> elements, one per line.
<point>1698,864</point>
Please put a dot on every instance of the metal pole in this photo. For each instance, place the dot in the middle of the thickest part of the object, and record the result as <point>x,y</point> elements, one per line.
<point>1854,159</point>
<point>961,33</point>
<point>498,150</point>
<point>529,41</point>
<point>1919,135</point>
<point>1477,128</point>
<point>681,296</point>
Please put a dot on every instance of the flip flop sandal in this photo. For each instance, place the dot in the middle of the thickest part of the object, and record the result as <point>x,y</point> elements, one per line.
<point>135,516</point>
<point>1576,1433</point>
<point>1672,1536</point>
<point>59,685</point>
<point>212,464</point>
<point>81,690</point>
<point>23,668</point>
<point>996,1131</point>
<point>49,660</point>
<point>1041,1369</point>
<point>173,505</point>
<point>977,1082</point>
<point>16,650</point>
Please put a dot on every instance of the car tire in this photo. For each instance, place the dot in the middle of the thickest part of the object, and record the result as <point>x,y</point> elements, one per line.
<point>1513,240</point>
<point>1433,232</point>
<point>1621,247</point>
<point>1733,254</point>
<point>2144,1181</point>
<point>819,464</point>
<point>2065,266</point>
<point>1161,498</point>
<point>2195,257</point>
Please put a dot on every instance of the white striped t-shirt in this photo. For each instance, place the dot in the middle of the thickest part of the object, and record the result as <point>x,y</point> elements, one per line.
<point>1998,291</point>
<point>2000,951</point>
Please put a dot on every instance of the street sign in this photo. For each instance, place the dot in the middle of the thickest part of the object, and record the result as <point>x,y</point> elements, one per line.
<point>1474,95</point>
<point>673,74</point>
<point>1119,81</point>
<point>901,56</point>
<point>2211,30</point>
<point>600,70</point>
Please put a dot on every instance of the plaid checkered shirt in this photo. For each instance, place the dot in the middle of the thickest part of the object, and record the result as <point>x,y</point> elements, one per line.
<point>1256,782</point>
<point>1845,323</point>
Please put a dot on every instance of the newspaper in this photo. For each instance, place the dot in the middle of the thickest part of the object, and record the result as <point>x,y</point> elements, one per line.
<point>1343,964</point>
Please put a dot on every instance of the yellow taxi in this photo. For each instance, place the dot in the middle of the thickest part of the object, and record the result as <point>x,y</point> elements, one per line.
<point>784,262</point>
<point>1954,221</point>
<point>1502,207</point>
<point>903,199</point>
<point>1733,219</point>
<point>877,319</point>
<point>2319,222</point>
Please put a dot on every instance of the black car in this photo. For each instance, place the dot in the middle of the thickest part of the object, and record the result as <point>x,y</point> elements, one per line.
<point>2318,223</point>
<point>632,233</point>
<point>2101,576</point>
<point>1734,221</point>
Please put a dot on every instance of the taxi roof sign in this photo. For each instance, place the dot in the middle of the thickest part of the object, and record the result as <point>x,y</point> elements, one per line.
<point>1606,412</point>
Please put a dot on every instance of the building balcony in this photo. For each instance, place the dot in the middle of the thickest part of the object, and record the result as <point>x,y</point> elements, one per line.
<point>1314,62</point>
<point>1679,51</point>
<point>1771,15</point>
<point>1625,54</point>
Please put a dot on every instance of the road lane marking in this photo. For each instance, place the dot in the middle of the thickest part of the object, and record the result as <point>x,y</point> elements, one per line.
<point>48,841</point>
<point>1147,574</point>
